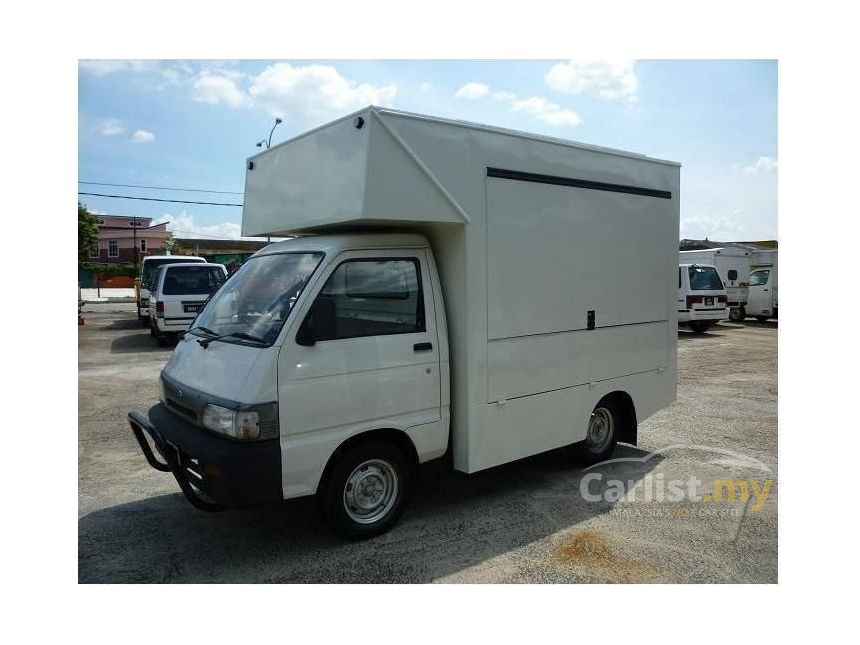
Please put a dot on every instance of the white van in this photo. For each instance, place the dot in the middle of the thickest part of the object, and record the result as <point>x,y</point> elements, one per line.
<point>454,288</point>
<point>148,266</point>
<point>179,292</point>
<point>733,265</point>
<point>763,290</point>
<point>702,299</point>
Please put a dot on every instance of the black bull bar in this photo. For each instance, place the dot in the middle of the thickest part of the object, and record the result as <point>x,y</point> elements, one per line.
<point>173,460</point>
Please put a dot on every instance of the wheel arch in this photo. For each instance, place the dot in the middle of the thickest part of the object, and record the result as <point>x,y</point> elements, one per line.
<point>622,403</point>
<point>399,438</point>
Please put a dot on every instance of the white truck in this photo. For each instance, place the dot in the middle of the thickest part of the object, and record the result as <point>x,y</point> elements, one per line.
<point>733,265</point>
<point>453,289</point>
<point>763,300</point>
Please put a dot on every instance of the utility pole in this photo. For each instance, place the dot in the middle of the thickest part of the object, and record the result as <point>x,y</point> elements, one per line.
<point>134,226</point>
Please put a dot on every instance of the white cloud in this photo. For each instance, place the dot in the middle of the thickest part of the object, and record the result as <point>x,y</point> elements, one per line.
<point>182,225</point>
<point>714,227</point>
<point>110,127</point>
<point>472,91</point>
<point>142,136</point>
<point>425,87</point>
<point>611,80</point>
<point>103,67</point>
<point>541,108</point>
<point>313,93</point>
<point>219,88</point>
<point>763,166</point>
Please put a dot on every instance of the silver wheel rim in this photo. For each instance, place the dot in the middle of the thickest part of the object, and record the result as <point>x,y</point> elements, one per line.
<point>370,491</point>
<point>600,430</point>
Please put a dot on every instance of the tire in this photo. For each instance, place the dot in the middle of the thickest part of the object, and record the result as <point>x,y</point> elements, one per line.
<point>601,437</point>
<point>364,494</point>
<point>160,338</point>
<point>699,327</point>
<point>762,318</point>
<point>737,314</point>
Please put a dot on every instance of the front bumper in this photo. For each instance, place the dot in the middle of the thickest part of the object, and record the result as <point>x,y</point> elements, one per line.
<point>232,474</point>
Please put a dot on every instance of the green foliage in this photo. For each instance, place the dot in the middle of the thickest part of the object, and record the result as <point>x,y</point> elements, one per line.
<point>88,232</point>
<point>109,270</point>
<point>171,245</point>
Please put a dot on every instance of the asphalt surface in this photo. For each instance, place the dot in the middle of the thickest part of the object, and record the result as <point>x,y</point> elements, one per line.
<point>523,522</point>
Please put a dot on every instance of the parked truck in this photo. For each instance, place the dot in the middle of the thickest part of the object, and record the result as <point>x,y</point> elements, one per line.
<point>452,290</point>
<point>763,300</point>
<point>733,266</point>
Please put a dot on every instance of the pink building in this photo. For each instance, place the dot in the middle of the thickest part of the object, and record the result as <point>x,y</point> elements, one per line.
<point>119,235</point>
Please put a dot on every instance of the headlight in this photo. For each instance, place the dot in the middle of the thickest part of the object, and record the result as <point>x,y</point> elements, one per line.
<point>239,424</point>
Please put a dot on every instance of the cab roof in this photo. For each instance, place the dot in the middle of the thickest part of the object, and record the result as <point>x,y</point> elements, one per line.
<point>332,244</point>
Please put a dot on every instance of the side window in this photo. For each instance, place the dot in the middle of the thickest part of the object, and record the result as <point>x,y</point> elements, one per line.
<point>733,275</point>
<point>370,298</point>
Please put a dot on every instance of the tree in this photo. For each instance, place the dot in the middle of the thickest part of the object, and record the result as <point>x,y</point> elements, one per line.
<point>172,246</point>
<point>88,232</point>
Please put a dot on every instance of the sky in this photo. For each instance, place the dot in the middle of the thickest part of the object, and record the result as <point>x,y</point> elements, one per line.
<point>192,124</point>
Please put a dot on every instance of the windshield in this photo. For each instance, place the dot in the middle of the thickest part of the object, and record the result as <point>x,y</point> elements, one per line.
<point>192,280</point>
<point>704,279</point>
<point>259,297</point>
<point>149,268</point>
<point>759,277</point>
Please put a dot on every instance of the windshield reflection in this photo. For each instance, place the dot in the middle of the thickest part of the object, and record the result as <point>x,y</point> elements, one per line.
<point>257,300</point>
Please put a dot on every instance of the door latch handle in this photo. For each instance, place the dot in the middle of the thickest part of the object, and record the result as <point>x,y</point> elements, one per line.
<point>422,347</point>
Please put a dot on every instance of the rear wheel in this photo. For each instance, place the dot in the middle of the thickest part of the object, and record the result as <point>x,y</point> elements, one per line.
<point>699,327</point>
<point>601,436</point>
<point>737,314</point>
<point>162,338</point>
<point>365,492</point>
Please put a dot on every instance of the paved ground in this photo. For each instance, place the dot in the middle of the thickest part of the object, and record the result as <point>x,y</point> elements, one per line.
<point>524,522</point>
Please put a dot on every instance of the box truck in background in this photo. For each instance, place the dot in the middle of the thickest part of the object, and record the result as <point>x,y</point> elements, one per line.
<point>763,300</point>
<point>733,265</point>
<point>454,289</point>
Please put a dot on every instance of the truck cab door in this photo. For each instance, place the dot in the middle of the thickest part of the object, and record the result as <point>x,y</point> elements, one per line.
<point>365,354</point>
<point>759,298</point>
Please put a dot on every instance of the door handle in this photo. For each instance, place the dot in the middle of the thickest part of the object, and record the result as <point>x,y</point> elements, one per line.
<point>422,347</point>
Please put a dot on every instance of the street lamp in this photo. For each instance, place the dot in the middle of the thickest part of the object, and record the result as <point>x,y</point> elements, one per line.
<point>268,141</point>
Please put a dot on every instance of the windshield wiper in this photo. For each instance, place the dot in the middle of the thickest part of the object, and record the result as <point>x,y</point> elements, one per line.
<point>204,343</point>
<point>204,329</point>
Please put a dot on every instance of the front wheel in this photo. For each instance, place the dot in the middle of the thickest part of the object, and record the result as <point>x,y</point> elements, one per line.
<point>601,436</point>
<point>737,314</point>
<point>365,493</point>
